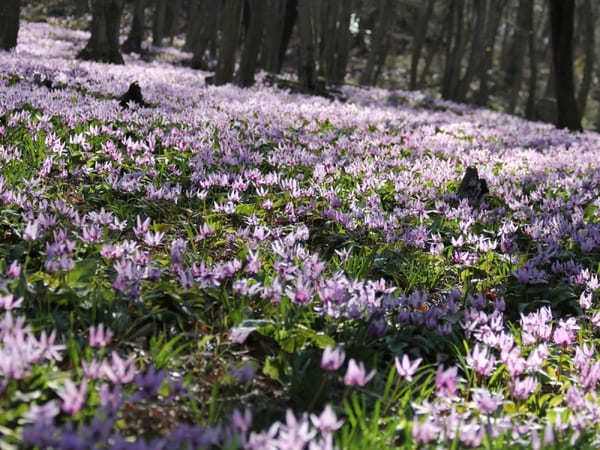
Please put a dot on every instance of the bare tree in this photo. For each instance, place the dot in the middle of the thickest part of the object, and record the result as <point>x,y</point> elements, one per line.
<point>425,13</point>
<point>158,22</point>
<point>306,54</point>
<point>231,17</point>
<point>562,16</point>
<point>202,31</point>
<point>133,44</point>
<point>380,45</point>
<point>103,44</point>
<point>533,67</point>
<point>514,71</point>
<point>279,20</point>
<point>589,48</point>
<point>10,11</point>
<point>495,10</point>
<point>252,43</point>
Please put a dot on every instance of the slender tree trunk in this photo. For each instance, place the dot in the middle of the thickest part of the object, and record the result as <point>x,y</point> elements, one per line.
<point>495,11</point>
<point>477,49</point>
<point>291,16</point>
<point>455,50</point>
<point>562,15</point>
<point>379,48</point>
<point>425,13</point>
<point>133,44</point>
<point>428,63</point>
<point>252,43</point>
<point>589,45</point>
<point>230,33</point>
<point>172,14</point>
<point>306,54</point>
<point>204,23</point>
<point>514,74</point>
<point>10,11</point>
<point>343,41</point>
<point>158,22</point>
<point>533,70</point>
<point>273,18</point>
<point>103,44</point>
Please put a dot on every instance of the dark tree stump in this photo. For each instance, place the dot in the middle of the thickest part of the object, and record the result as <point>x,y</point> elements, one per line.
<point>473,188</point>
<point>133,94</point>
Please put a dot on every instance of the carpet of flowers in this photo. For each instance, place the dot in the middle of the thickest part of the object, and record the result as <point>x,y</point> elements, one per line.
<point>252,268</point>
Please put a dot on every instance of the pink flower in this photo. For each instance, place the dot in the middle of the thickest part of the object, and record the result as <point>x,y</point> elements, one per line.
<point>406,369</point>
<point>327,421</point>
<point>446,381</point>
<point>72,397</point>
<point>356,375</point>
<point>8,302</point>
<point>14,270</point>
<point>332,358</point>
<point>99,337</point>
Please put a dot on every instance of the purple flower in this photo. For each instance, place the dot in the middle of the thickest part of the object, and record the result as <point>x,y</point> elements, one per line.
<point>563,336</point>
<point>8,302</point>
<point>245,374</point>
<point>153,239</point>
<point>356,375</point>
<point>99,337</point>
<point>522,389</point>
<point>327,421</point>
<point>481,360</point>
<point>241,422</point>
<point>150,381</point>
<point>332,359</point>
<point>43,414</point>
<point>424,432</point>
<point>72,397</point>
<point>485,402</point>
<point>141,227</point>
<point>120,370</point>
<point>14,270</point>
<point>446,381</point>
<point>31,231</point>
<point>405,368</point>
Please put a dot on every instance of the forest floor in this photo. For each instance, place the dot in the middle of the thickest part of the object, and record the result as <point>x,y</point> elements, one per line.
<point>255,268</point>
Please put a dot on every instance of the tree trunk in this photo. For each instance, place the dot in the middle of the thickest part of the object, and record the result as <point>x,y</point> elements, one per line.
<point>418,40</point>
<point>252,43</point>
<point>514,73</point>
<point>133,44</point>
<point>477,49</point>
<point>306,54</point>
<point>533,71</point>
<point>455,50</point>
<point>495,11</point>
<point>230,33</point>
<point>273,17</point>
<point>103,44</point>
<point>589,45</point>
<point>81,7</point>
<point>291,15</point>
<point>10,11</point>
<point>562,15</point>
<point>204,31</point>
<point>343,39</point>
<point>379,48</point>
<point>158,22</point>
<point>171,19</point>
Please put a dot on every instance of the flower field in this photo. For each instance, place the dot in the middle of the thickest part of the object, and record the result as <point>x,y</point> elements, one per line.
<point>252,268</point>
